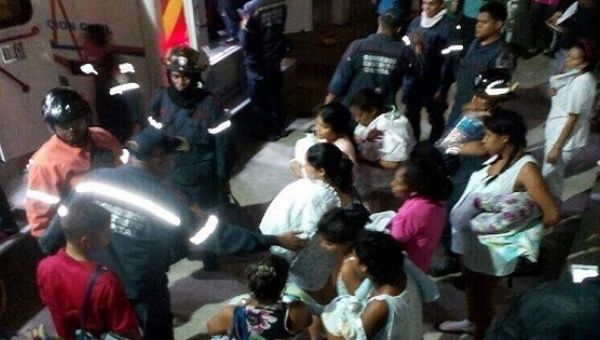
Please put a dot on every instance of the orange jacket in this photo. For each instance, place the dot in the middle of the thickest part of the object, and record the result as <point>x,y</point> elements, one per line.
<point>56,168</point>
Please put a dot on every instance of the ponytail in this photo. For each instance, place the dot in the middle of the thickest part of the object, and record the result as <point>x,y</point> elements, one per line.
<point>338,168</point>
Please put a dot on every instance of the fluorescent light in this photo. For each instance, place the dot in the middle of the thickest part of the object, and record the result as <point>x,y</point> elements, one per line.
<point>209,228</point>
<point>124,156</point>
<point>154,123</point>
<point>126,68</point>
<point>406,40</point>
<point>129,198</point>
<point>62,211</point>
<point>42,196</point>
<point>220,128</point>
<point>88,69</point>
<point>119,89</point>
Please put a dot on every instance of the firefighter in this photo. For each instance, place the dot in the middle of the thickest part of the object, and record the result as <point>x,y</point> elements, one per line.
<point>64,160</point>
<point>265,45</point>
<point>186,109</point>
<point>377,61</point>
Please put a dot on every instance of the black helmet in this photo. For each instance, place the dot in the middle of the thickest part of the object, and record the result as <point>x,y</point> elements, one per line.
<point>186,60</point>
<point>63,104</point>
<point>494,82</point>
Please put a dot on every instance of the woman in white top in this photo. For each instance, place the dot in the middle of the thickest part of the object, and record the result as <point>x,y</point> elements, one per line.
<point>393,309</point>
<point>510,169</point>
<point>568,123</point>
<point>300,205</point>
<point>333,125</point>
<point>384,138</point>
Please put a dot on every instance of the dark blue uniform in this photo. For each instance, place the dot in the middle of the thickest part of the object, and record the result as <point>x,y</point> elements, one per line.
<point>437,75</point>
<point>264,47</point>
<point>202,173</point>
<point>144,245</point>
<point>377,61</point>
<point>478,58</point>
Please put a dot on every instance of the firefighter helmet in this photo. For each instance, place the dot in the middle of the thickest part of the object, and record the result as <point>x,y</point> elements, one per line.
<point>63,104</point>
<point>186,60</point>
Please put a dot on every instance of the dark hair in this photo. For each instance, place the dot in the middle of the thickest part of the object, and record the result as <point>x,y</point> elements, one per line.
<point>495,9</point>
<point>81,216</point>
<point>98,33</point>
<point>391,19</point>
<point>338,168</point>
<point>511,124</point>
<point>367,99</point>
<point>590,53</point>
<point>428,179</point>
<point>267,277</point>
<point>382,256</point>
<point>337,117</point>
<point>343,225</point>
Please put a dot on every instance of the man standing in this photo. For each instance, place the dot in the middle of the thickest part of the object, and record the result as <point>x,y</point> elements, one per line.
<point>74,288</point>
<point>438,32</point>
<point>487,51</point>
<point>377,61</point>
<point>63,161</point>
<point>187,110</point>
<point>265,45</point>
<point>151,226</point>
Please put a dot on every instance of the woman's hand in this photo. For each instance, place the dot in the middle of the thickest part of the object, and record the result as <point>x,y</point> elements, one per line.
<point>296,168</point>
<point>552,92</point>
<point>554,155</point>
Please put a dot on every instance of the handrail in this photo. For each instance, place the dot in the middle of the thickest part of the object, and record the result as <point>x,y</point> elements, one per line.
<point>34,31</point>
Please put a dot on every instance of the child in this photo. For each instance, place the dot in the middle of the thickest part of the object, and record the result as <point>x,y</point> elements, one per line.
<point>333,125</point>
<point>263,315</point>
<point>384,139</point>
<point>420,220</point>
<point>64,278</point>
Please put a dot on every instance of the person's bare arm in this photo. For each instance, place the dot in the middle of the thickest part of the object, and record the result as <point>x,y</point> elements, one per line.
<point>220,322</point>
<point>565,134</point>
<point>388,165</point>
<point>299,317</point>
<point>351,276</point>
<point>330,98</point>
<point>374,317</point>
<point>530,178</point>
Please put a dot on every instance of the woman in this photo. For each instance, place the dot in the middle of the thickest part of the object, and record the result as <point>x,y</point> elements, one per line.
<point>385,139</point>
<point>509,170</point>
<point>338,231</point>
<point>393,308</point>
<point>568,123</point>
<point>300,205</point>
<point>263,315</point>
<point>333,125</point>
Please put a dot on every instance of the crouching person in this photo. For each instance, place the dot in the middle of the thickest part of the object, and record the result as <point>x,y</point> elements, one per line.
<point>263,315</point>
<point>83,296</point>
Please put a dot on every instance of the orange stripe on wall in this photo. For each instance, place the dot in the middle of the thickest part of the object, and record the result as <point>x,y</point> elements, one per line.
<point>171,15</point>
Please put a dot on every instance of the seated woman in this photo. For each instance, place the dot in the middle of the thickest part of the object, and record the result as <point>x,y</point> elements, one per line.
<point>393,309</point>
<point>384,138</point>
<point>510,170</point>
<point>300,205</point>
<point>333,125</point>
<point>418,224</point>
<point>263,315</point>
<point>338,229</point>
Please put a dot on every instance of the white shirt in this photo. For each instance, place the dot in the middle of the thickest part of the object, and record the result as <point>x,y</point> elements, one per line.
<point>574,97</point>
<point>396,142</point>
<point>298,207</point>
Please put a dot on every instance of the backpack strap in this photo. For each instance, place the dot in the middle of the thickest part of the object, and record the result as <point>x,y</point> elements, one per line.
<point>88,295</point>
